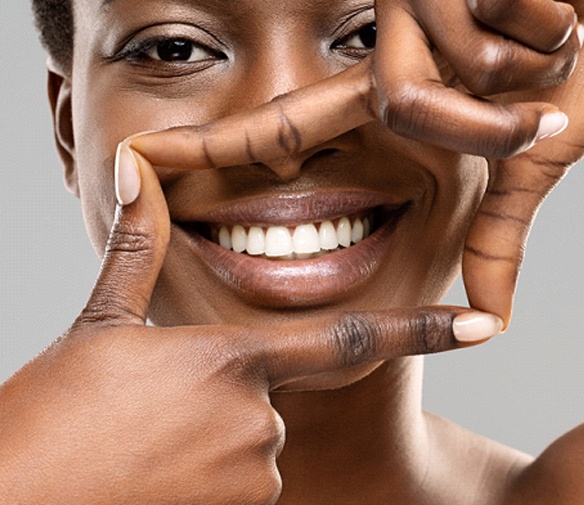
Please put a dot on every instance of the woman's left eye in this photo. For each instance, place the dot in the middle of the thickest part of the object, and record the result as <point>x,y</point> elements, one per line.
<point>361,39</point>
<point>178,50</point>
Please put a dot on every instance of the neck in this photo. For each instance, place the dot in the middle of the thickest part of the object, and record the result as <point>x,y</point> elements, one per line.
<point>358,443</point>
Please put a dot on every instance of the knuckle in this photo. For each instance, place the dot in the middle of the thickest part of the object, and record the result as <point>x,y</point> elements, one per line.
<point>254,481</point>
<point>485,74</point>
<point>266,486</point>
<point>428,328</point>
<point>289,136</point>
<point>132,245</point>
<point>355,339</point>
<point>405,107</point>
<point>108,307</point>
<point>128,239</point>
<point>512,134</point>
<point>270,432</point>
<point>99,313</point>
<point>235,358</point>
<point>493,12</point>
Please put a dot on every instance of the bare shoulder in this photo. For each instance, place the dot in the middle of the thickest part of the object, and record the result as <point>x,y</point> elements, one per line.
<point>556,476</point>
<point>486,471</point>
<point>490,473</point>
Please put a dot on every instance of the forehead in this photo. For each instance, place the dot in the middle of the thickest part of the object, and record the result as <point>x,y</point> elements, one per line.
<point>96,21</point>
<point>239,6</point>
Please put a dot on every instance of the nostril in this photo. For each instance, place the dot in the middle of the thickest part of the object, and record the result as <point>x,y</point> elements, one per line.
<point>324,153</point>
<point>288,169</point>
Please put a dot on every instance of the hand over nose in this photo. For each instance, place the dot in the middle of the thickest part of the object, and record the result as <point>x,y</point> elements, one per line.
<point>536,43</point>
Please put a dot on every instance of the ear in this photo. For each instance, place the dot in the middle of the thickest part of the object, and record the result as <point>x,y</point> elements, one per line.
<point>59,91</point>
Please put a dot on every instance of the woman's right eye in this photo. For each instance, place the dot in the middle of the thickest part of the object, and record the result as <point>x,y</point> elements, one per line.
<point>178,51</point>
<point>168,51</point>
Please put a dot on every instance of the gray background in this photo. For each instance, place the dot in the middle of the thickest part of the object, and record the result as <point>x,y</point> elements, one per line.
<point>523,388</point>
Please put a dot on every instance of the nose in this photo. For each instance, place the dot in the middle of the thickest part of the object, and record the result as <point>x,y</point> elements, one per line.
<point>280,63</point>
<point>290,138</point>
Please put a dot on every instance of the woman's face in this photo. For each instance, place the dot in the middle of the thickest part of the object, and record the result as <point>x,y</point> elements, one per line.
<point>152,64</point>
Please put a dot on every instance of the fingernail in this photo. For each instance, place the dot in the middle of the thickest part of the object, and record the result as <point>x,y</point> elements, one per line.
<point>127,175</point>
<point>476,326</point>
<point>580,32</point>
<point>551,124</point>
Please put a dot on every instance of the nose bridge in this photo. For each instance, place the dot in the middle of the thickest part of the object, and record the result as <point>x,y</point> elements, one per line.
<point>282,61</point>
<point>288,59</point>
<point>285,70</point>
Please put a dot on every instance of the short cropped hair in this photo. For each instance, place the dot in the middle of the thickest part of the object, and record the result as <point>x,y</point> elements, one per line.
<point>54,21</point>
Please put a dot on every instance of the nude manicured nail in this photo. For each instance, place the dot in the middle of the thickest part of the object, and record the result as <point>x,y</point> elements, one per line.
<point>551,124</point>
<point>476,326</point>
<point>127,175</point>
<point>580,33</point>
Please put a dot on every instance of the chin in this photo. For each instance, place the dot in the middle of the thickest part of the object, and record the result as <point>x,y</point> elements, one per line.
<point>330,380</point>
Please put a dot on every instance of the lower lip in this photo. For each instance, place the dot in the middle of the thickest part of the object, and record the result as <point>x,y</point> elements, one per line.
<point>296,283</point>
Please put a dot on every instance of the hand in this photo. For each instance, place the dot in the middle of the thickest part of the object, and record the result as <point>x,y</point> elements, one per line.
<point>119,412</point>
<point>489,47</point>
<point>496,242</point>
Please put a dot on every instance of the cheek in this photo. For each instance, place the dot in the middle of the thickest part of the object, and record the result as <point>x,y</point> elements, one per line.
<point>459,193</point>
<point>103,116</point>
<point>427,256</point>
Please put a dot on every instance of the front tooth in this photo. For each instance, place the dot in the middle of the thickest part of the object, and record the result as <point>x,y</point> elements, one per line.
<point>357,231</point>
<point>255,241</point>
<point>344,232</point>
<point>305,239</point>
<point>224,238</point>
<point>328,236</point>
<point>278,241</point>
<point>238,238</point>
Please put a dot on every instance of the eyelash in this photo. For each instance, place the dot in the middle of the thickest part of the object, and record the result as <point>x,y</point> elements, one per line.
<point>137,51</point>
<point>370,35</point>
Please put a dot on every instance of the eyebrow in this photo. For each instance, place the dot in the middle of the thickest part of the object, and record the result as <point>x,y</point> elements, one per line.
<point>107,2</point>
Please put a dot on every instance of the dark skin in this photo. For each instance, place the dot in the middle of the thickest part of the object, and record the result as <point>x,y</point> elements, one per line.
<point>189,411</point>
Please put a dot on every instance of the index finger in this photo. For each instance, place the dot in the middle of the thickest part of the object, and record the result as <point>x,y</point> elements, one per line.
<point>283,127</point>
<point>325,345</point>
<point>414,106</point>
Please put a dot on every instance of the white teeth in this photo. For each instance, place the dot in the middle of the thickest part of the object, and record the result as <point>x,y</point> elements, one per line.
<point>255,241</point>
<point>224,238</point>
<point>278,242</point>
<point>305,241</point>
<point>357,231</point>
<point>238,238</point>
<point>328,236</point>
<point>344,232</point>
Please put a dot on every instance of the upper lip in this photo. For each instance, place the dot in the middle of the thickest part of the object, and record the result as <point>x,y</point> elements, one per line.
<point>289,209</point>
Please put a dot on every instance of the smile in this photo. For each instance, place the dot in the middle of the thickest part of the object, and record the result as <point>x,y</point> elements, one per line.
<point>305,241</point>
<point>295,251</point>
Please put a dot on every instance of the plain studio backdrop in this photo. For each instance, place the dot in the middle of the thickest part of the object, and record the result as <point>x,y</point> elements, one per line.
<point>523,388</point>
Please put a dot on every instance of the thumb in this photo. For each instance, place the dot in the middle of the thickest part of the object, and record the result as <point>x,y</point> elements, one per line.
<point>136,246</point>
<point>496,242</point>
